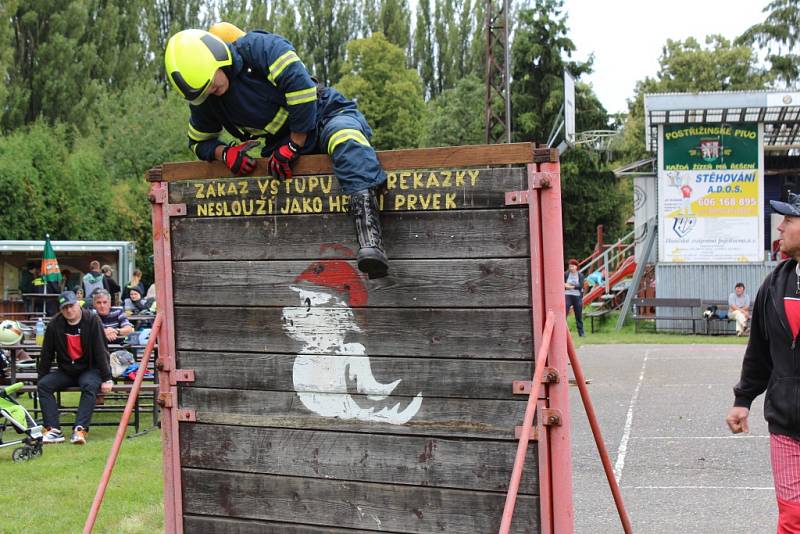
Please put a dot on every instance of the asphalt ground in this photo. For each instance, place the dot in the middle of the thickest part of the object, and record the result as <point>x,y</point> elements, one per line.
<point>662,410</point>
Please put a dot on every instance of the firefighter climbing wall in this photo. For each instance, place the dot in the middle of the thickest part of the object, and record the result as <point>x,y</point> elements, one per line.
<point>326,402</point>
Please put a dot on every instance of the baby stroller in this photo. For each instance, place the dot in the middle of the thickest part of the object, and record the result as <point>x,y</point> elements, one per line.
<point>15,415</point>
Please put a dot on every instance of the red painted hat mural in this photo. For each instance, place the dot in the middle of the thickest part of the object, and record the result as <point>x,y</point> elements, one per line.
<point>338,275</point>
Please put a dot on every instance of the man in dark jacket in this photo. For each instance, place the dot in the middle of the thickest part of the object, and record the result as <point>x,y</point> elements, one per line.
<point>770,364</point>
<point>74,341</point>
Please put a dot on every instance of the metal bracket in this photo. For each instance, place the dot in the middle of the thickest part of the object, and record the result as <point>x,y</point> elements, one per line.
<point>176,210</point>
<point>524,387</point>
<point>164,399</point>
<point>181,375</point>
<point>516,198</point>
<point>163,364</point>
<point>158,194</point>
<point>534,433</point>
<point>537,180</point>
<point>187,414</point>
<point>551,417</point>
<point>542,180</point>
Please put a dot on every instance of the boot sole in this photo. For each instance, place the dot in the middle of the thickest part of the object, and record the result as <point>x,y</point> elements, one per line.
<point>374,268</point>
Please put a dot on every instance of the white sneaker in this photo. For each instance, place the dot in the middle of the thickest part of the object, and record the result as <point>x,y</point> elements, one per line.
<point>78,436</point>
<point>53,435</point>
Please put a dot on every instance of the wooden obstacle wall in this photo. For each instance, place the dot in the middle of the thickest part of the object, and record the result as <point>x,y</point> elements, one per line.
<point>452,322</point>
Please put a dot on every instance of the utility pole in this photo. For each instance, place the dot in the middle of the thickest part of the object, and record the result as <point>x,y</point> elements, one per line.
<point>498,68</point>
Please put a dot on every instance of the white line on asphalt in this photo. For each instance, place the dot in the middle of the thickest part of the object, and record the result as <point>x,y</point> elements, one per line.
<point>668,357</point>
<point>760,488</point>
<point>701,437</point>
<point>688,385</point>
<point>622,450</point>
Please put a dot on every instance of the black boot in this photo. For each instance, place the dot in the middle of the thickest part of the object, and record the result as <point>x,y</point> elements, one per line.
<point>371,257</point>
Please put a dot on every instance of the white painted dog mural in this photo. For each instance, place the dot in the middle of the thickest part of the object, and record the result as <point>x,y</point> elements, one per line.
<point>328,370</point>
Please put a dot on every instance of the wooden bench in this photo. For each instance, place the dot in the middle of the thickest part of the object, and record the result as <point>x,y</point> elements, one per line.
<point>601,314</point>
<point>694,315</point>
<point>118,391</point>
<point>121,391</point>
<point>716,326</point>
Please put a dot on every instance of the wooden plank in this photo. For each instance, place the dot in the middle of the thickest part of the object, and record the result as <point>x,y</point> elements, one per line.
<point>423,234</point>
<point>469,379</point>
<point>380,507</point>
<point>483,282</point>
<point>437,190</point>
<point>489,419</point>
<point>409,460</point>
<point>196,524</point>
<point>428,332</point>
<point>428,158</point>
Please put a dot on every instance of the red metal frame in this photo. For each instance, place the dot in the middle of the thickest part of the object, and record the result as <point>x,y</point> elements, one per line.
<point>122,428</point>
<point>167,389</point>
<point>553,347</point>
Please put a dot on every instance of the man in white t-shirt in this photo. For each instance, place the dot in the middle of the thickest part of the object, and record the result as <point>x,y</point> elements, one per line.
<point>739,308</point>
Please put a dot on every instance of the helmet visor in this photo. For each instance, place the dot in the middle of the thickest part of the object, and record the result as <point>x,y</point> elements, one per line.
<point>202,98</point>
<point>194,95</point>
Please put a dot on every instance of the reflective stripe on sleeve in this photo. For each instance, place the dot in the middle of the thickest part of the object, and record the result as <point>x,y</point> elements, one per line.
<point>302,96</point>
<point>346,135</point>
<point>281,63</point>
<point>196,135</point>
<point>277,121</point>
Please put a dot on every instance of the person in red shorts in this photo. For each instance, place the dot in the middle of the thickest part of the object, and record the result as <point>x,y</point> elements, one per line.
<point>769,365</point>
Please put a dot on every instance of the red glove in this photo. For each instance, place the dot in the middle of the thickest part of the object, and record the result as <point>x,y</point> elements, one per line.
<point>237,160</point>
<point>280,162</point>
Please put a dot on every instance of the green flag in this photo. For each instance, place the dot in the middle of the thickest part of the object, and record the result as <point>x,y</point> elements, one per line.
<point>50,270</point>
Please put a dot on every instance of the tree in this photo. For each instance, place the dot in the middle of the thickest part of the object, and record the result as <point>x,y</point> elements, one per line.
<point>395,23</point>
<point>537,69</point>
<point>687,66</point>
<point>65,54</point>
<point>590,195</point>
<point>442,18</point>
<point>590,192</point>
<point>164,18</point>
<point>779,35</point>
<point>456,116</point>
<point>458,35</point>
<point>423,46</point>
<point>388,94</point>
<point>47,189</point>
<point>325,28</point>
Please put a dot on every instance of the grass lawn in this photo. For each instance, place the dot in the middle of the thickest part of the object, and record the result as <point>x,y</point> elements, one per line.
<point>607,334</point>
<point>53,493</point>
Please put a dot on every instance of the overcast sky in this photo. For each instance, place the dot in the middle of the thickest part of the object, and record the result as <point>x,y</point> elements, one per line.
<point>626,36</point>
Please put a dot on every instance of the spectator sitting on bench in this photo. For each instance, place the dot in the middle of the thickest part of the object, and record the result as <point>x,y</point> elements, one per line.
<point>115,323</point>
<point>135,304</point>
<point>74,340</point>
<point>78,290</point>
<point>739,308</point>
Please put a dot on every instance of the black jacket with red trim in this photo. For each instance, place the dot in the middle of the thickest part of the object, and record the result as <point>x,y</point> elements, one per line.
<point>95,354</point>
<point>772,359</point>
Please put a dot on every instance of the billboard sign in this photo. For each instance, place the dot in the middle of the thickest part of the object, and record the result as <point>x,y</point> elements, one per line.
<point>711,193</point>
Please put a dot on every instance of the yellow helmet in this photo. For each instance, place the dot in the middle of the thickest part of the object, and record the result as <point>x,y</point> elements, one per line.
<point>226,31</point>
<point>192,57</point>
